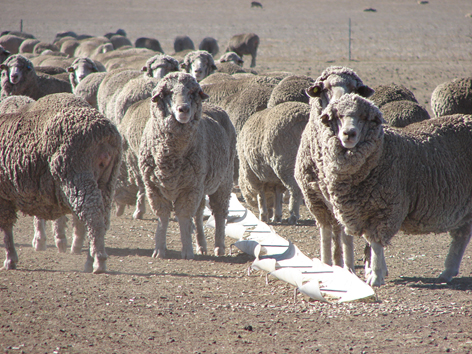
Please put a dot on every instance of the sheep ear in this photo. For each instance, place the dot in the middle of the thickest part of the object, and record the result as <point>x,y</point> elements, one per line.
<point>203,95</point>
<point>314,91</point>
<point>155,98</point>
<point>144,68</point>
<point>70,69</point>
<point>325,119</point>
<point>378,118</point>
<point>3,67</point>
<point>365,91</point>
<point>183,66</point>
<point>213,67</point>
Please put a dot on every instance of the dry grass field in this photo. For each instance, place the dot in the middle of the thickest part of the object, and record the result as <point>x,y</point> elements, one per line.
<point>210,304</point>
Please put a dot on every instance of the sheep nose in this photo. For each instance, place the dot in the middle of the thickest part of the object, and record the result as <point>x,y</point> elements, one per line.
<point>183,109</point>
<point>351,133</point>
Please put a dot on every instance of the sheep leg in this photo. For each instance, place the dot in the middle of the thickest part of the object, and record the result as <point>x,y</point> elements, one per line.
<point>219,204</point>
<point>294,205</point>
<point>120,209</point>
<point>201,247</point>
<point>78,237</point>
<point>96,252</point>
<point>186,229</point>
<point>253,60</point>
<point>459,242</point>
<point>325,245</point>
<point>39,238</point>
<point>378,270</point>
<point>11,256</point>
<point>262,203</point>
<point>59,232</point>
<point>140,200</point>
<point>160,236</point>
<point>348,251</point>
<point>279,192</point>
<point>338,246</point>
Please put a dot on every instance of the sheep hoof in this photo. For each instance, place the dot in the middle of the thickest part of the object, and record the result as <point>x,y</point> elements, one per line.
<point>61,245</point>
<point>186,254</point>
<point>278,218</point>
<point>292,220</point>
<point>99,265</point>
<point>374,280</point>
<point>76,249</point>
<point>10,263</point>
<point>39,245</point>
<point>219,251</point>
<point>88,266</point>
<point>159,254</point>
<point>138,215</point>
<point>201,250</point>
<point>446,276</point>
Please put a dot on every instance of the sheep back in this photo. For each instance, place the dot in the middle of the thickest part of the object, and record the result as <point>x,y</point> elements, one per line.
<point>401,113</point>
<point>389,93</point>
<point>452,97</point>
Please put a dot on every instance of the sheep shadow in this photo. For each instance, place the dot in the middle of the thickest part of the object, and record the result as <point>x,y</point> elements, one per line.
<point>460,284</point>
<point>239,258</point>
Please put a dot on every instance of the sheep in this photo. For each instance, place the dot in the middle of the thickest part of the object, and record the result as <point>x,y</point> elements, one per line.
<point>88,88</point>
<point>187,152</point>
<point>4,54</point>
<point>19,78</point>
<point>69,46</point>
<point>119,31</point>
<point>141,87</point>
<point>402,113</point>
<point>216,77</point>
<point>333,82</point>
<point>20,34</point>
<point>11,43</point>
<point>245,43</point>
<point>398,105</point>
<point>88,46</point>
<point>119,41</point>
<point>267,149</point>
<point>149,43</point>
<point>109,89</point>
<point>182,43</point>
<point>40,47</point>
<point>131,190</point>
<point>199,64</point>
<point>12,104</point>
<point>231,57</point>
<point>452,97</point>
<point>291,88</point>
<point>76,154</point>
<point>79,69</point>
<point>27,45</point>
<point>379,180</point>
<point>60,35</point>
<point>256,4</point>
<point>209,44</point>
<point>51,60</point>
<point>389,93</point>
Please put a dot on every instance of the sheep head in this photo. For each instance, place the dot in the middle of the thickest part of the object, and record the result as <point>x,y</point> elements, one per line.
<point>80,68</point>
<point>336,81</point>
<point>231,57</point>
<point>159,66</point>
<point>14,71</point>
<point>199,64</point>
<point>350,118</point>
<point>178,96</point>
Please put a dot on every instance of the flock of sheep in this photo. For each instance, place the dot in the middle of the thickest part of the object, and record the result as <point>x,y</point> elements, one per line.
<point>87,122</point>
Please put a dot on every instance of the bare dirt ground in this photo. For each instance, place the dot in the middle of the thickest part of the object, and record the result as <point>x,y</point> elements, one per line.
<point>210,304</point>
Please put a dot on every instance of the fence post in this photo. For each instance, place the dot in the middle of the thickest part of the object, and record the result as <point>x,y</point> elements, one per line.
<point>21,25</point>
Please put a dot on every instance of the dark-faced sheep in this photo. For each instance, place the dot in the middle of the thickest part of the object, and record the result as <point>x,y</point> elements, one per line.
<point>209,44</point>
<point>379,180</point>
<point>244,44</point>
<point>183,43</point>
<point>75,152</point>
<point>187,152</point>
<point>149,43</point>
<point>333,82</point>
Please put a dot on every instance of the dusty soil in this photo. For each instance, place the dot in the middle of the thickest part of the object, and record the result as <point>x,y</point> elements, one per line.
<point>211,305</point>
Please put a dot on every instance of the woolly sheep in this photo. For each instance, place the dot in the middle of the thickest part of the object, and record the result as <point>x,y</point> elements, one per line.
<point>141,87</point>
<point>109,89</point>
<point>245,43</point>
<point>333,82</point>
<point>89,45</point>
<point>11,43</point>
<point>40,47</point>
<point>231,57</point>
<point>267,149</point>
<point>119,31</point>
<point>12,104</point>
<point>209,44</point>
<point>182,43</point>
<point>216,77</point>
<point>69,47</point>
<point>19,78</point>
<point>80,68</point>
<point>74,151</point>
<point>120,41</point>
<point>229,68</point>
<point>187,152</point>
<point>390,192</point>
<point>20,34</point>
<point>51,60</point>
<point>389,93</point>
<point>60,35</point>
<point>4,54</point>
<point>27,45</point>
<point>452,97</point>
<point>199,64</point>
<point>291,88</point>
<point>402,113</point>
<point>88,88</point>
<point>149,43</point>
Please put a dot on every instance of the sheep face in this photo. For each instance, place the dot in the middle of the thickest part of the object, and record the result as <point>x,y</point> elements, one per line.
<point>233,58</point>
<point>80,68</point>
<point>14,71</point>
<point>350,117</point>
<point>178,96</point>
<point>199,64</point>
<point>160,65</point>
